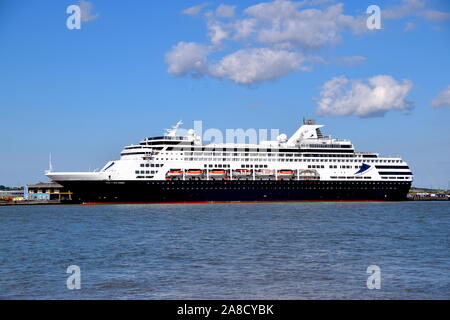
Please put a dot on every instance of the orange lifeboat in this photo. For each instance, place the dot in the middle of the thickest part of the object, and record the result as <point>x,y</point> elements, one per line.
<point>217,173</point>
<point>285,173</point>
<point>175,173</point>
<point>194,172</point>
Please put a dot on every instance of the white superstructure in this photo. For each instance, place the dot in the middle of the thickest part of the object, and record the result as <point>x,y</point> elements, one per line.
<point>307,154</point>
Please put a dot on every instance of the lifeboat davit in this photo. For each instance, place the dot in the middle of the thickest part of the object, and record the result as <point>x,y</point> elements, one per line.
<point>242,172</point>
<point>264,173</point>
<point>194,172</point>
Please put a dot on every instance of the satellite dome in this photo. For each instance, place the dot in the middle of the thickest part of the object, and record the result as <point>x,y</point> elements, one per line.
<point>282,138</point>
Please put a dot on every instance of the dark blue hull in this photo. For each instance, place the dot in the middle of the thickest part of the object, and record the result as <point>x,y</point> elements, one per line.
<point>221,190</point>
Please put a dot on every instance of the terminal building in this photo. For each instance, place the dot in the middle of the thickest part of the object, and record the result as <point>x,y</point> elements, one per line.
<point>48,191</point>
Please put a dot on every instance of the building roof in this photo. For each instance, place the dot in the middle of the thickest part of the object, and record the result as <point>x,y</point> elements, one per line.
<point>44,185</point>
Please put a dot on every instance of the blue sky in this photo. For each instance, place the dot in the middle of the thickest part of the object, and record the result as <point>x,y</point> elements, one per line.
<point>84,94</point>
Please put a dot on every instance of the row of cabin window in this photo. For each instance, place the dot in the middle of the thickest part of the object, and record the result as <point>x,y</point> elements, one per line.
<point>331,167</point>
<point>157,165</point>
<point>145,172</point>
<point>291,160</point>
<point>220,154</point>
<point>216,166</point>
<point>325,145</point>
<point>226,154</point>
<point>401,178</point>
<point>254,166</point>
<point>257,159</point>
<point>260,182</point>
<point>334,177</point>
<point>405,178</point>
<point>279,155</point>
<point>262,160</point>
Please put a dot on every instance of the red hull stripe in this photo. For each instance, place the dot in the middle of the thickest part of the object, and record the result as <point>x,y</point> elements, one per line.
<point>251,201</point>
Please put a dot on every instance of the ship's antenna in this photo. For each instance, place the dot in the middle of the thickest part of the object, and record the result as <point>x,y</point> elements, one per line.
<point>172,131</point>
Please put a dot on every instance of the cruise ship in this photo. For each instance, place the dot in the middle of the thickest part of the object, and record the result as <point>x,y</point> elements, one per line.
<point>307,166</point>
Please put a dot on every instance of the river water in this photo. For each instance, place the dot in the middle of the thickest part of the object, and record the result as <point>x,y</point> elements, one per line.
<point>227,251</point>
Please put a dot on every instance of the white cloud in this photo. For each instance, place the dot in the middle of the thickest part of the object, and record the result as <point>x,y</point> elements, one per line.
<point>217,32</point>
<point>188,58</point>
<point>86,8</point>
<point>434,15</point>
<point>442,99</point>
<point>248,66</point>
<point>293,28</point>
<point>244,28</point>
<point>284,28</point>
<point>413,8</point>
<point>281,23</point>
<point>225,11</point>
<point>374,97</point>
<point>408,7</point>
<point>194,10</point>
<point>274,11</point>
